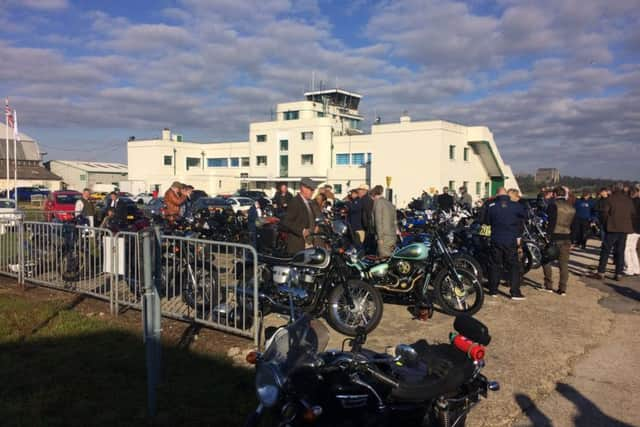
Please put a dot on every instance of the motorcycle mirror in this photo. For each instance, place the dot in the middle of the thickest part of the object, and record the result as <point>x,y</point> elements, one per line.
<point>407,353</point>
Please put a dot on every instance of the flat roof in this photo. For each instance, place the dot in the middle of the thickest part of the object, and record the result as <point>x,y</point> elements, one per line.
<point>329,91</point>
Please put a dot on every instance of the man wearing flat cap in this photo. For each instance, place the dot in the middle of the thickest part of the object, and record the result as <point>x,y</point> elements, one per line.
<point>173,198</point>
<point>299,219</point>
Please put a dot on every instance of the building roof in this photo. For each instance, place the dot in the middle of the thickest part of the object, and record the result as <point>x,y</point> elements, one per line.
<point>3,133</point>
<point>96,167</point>
<point>27,150</point>
<point>25,173</point>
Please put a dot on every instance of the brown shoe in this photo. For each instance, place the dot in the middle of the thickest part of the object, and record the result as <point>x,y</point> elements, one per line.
<point>596,276</point>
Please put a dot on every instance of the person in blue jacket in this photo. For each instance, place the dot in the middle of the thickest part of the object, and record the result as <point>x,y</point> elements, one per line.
<point>505,218</point>
<point>584,213</point>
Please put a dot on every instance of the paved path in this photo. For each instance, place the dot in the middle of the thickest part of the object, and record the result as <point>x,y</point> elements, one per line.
<point>603,387</point>
<point>547,349</point>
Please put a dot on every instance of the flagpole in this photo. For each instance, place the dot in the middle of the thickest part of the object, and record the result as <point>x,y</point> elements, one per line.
<point>15,156</point>
<point>6,118</point>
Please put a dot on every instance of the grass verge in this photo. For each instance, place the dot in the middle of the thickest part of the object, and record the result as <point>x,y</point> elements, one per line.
<point>59,367</point>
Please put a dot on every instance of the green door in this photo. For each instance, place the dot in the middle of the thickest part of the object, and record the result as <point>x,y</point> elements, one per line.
<point>284,166</point>
<point>496,182</point>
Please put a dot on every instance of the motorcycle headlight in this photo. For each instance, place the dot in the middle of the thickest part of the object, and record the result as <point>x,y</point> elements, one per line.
<point>268,383</point>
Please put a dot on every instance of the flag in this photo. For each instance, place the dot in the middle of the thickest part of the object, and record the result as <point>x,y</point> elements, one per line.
<point>16,135</point>
<point>7,112</point>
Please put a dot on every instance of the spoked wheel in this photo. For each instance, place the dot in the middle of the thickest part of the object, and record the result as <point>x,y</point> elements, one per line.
<point>531,257</point>
<point>468,262</point>
<point>455,300</point>
<point>199,289</point>
<point>356,304</point>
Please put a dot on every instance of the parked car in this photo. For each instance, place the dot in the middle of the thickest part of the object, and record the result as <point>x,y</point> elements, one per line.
<point>212,204</point>
<point>155,206</point>
<point>98,195</point>
<point>198,194</point>
<point>142,198</point>
<point>60,205</point>
<point>25,193</point>
<point>241,204</point>
<point>252,194</point>
<point>9,214</point>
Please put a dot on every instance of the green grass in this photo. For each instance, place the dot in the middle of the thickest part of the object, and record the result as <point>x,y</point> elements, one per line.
<point>61,368</point>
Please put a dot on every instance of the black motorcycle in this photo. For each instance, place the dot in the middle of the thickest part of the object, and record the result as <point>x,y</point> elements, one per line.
<point>298,383</point>
<point>317,281</point>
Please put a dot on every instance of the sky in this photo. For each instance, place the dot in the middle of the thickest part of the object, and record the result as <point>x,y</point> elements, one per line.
<point>556,81</point>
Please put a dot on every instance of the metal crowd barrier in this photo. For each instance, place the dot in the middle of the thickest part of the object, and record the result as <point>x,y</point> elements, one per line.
<point>68,256</point>
<point>10,242</point>
<point>210,283</point>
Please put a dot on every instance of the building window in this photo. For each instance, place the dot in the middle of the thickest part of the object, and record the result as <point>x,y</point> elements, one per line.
<point>487,189</point>
<point>261,138</point>
<point>168,160</point>
<point>337,188</point>
<point>369,157</point>
<point>342,159</point>
<point>221,162</point>
<point>244,162</point>
<point>466,154</point>
<point>320,113</point>
<point>452,185</point>
<point>193,162</point>
<point>357,159</point>
<point>261,160</point>
<point>465,184</point>
<point>478,185</point>
<point>235,162</point>
<point>290,115</point>
<point>284,145</point>
<point>83,177</point>
<point>307,159</point>
<point>306,136</point>
<point>452,152</point>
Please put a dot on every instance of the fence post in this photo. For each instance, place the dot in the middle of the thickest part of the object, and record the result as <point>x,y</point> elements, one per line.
<point>21,248</point>
<point>151,320</point>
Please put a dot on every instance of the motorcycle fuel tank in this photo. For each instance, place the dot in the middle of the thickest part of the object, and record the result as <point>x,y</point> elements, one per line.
<point>413,252</point>
<point>312,257</point>
<point>379,270</point>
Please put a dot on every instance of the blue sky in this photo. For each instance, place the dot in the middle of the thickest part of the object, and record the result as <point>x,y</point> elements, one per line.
<point>557,81</point>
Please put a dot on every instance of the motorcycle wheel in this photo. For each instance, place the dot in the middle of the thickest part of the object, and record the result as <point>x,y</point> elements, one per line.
<point>201,295</point>
<point>453,301</point>
<point>470,263</point>
<point>366,313</point>
<point>531,257</point>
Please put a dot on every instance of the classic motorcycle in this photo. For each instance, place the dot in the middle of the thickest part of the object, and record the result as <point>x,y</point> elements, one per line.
<point>298,383</point>
<point>318,281</point>
<point>415,271</point>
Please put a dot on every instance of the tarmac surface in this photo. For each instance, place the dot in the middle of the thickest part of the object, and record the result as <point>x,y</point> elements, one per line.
<point>561,360</point>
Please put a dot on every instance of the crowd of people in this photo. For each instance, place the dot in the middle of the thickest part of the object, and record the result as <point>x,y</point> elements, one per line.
<point>615,211</point>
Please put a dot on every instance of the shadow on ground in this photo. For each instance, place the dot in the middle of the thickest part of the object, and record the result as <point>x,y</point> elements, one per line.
<point>587,413</point>
<point>99,379</point>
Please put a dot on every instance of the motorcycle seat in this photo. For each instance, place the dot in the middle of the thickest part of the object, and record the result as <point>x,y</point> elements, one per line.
<point>273,260</point>
<point>447,370</point>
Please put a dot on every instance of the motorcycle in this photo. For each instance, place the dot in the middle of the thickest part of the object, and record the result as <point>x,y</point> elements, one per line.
<point>298,383</point>
<point>414,270</point>
<point>318,281</point>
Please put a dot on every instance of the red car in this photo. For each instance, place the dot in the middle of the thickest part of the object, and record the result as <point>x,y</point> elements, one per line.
<point>61,205</point>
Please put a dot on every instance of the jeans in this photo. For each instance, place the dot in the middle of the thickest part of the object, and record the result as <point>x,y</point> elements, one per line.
<point>504,258</point>
<point>616,242</point>
<point>582,229</point>
<point>563,263</point>
<point>631,254</point>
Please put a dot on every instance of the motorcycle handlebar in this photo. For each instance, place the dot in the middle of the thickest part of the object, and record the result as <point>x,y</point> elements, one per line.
<point>382,377</point>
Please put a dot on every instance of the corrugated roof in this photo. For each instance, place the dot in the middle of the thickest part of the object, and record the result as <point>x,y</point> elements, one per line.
<point>94,166</point>
<point>27,150</point>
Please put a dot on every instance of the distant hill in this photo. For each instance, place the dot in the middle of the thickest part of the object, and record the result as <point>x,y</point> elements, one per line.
<point>528,186</point>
